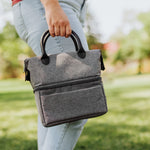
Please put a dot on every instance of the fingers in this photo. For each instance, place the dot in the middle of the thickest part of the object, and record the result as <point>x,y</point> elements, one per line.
<point>68,31</point>
<point>58,22</point>
<point>52,31</point>
<point>60,30</point>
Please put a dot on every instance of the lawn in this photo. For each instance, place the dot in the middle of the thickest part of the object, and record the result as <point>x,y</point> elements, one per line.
<point>126,126</point>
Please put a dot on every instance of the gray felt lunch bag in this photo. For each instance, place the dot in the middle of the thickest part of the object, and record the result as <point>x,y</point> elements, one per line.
<point>68,85</point>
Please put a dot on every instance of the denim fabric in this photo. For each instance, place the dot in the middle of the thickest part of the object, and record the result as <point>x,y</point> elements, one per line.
<point>30,23</point>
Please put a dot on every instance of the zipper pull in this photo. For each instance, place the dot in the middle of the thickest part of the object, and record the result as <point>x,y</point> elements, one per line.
<point>27,72</point>
<point>102,63</point>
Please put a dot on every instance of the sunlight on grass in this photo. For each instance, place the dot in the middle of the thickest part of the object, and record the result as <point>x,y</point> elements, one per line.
<point>139,93</point>
<point>14,85</point>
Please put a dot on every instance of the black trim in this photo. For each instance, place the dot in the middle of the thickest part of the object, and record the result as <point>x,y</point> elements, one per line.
<point>82,4</point>
<point>74,119</point>
<point>27,72</point>
<point>102,63</point>
<point>78,45</point>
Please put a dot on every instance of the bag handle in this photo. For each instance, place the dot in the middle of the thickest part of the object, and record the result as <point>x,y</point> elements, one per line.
<point>76,40</point>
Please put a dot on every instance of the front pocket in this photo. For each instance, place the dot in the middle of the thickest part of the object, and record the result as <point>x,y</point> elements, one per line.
<point>82,101</point>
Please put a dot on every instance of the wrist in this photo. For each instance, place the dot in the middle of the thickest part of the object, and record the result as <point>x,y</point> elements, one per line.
<point>48,4</point>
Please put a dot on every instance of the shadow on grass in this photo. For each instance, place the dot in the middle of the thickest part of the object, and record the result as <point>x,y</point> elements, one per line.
<point>17,143</point>
<point>97,136</point>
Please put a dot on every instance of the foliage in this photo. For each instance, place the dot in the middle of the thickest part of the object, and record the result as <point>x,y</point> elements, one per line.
<point>93,43</point>
<point>12,52</point>
<point>135,45</point>
<point>124,127</point>
<point>92,36</point>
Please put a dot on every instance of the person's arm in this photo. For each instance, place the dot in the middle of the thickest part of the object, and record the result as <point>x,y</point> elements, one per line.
<point>56,18</point>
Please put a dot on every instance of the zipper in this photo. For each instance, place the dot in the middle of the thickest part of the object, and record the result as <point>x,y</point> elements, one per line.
<point>68,82</point>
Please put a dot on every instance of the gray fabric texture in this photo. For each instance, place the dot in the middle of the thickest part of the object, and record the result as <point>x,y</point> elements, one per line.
<point>82,98</point>
<point>64,66</point>
<point>76,103</point>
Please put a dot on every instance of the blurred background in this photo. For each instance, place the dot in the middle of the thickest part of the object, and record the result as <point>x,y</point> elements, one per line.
<point>121,29</point>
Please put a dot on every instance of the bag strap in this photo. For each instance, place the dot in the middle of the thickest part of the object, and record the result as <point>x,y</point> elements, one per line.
<point>76,40</point>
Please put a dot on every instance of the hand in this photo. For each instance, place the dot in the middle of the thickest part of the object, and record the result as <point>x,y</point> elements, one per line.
<point>57,20</point>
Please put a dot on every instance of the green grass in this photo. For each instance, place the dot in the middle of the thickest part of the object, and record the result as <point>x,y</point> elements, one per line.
<point>126,126</point>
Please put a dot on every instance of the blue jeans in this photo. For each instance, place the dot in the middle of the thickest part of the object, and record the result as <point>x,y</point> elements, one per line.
<point>30,23</point>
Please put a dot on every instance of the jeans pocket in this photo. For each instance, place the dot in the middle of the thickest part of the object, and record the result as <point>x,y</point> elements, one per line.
<point>83,4</point>
<point>19,21</point>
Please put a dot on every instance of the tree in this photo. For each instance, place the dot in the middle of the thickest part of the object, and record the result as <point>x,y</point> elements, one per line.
<point>12,52</point>
<point>135,45</point>
<point>92,36</point>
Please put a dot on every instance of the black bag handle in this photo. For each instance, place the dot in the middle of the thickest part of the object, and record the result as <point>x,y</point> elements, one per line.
<point>76,40</point>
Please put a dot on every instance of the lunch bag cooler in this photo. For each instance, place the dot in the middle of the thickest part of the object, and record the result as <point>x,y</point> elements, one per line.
<point>68,85</point>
